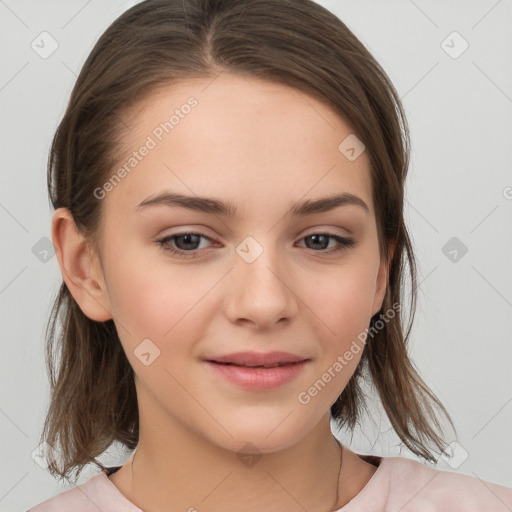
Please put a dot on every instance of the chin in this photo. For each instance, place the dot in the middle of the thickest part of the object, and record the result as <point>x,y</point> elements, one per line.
<point>263,431</point>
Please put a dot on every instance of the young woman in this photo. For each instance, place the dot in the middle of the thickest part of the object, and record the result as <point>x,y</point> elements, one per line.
<point>228,185</point>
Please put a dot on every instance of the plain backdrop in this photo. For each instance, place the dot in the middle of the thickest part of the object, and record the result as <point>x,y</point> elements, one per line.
<point>450,62</point>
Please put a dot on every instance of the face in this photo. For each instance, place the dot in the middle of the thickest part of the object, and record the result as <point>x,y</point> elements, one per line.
<point>262,274</point>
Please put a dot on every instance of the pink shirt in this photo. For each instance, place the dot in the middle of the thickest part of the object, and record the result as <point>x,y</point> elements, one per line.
<point>399,484</point>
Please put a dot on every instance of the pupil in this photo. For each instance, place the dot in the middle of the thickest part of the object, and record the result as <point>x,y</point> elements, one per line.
<point>316,238</point>
<point>195,240</point>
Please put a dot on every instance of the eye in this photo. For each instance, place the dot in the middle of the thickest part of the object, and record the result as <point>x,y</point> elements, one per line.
<point>321,241</point>
<point>188,242</point>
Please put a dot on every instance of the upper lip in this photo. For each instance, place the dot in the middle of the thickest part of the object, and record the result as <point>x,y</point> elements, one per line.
<point>258,358</point>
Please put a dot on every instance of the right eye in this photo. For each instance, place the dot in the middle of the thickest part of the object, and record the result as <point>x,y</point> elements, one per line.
<point>184,239</point>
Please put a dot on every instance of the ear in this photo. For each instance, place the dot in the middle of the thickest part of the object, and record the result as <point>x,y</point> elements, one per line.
<point>80,267</point>
<point>381,284</point>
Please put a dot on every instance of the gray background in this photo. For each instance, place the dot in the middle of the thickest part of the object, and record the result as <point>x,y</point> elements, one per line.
<point>459,108</point>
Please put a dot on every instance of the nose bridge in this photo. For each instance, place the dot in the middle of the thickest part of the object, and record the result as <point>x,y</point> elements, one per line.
<point>261,291</point>
<point>258,259</point>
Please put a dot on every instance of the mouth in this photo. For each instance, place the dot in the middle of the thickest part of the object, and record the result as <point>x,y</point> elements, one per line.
<point>277,365</point>
<point>257,371</point>
<point>258,359</point>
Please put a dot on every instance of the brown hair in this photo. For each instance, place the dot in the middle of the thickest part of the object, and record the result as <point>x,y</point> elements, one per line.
<point>293,42</point>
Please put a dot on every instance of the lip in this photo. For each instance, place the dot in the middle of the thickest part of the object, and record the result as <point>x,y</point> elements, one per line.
<point>245,369</point>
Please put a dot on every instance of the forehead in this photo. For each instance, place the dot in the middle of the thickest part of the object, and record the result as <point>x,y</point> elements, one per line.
<point>256,143</point>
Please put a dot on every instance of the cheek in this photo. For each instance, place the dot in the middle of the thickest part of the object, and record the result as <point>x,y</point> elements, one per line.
<point>342,298</point>
<point>157,300</point>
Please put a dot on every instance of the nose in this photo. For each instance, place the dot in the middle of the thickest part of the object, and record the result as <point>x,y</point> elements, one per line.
<point>261,291</point>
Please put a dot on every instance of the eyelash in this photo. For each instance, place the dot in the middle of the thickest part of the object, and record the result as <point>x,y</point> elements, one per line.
<point>344,243</point>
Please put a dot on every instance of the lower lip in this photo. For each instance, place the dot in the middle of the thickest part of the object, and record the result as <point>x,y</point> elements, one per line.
<point>258,379</point>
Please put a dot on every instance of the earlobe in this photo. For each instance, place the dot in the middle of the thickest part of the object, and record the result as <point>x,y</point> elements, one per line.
<point>80,268</point>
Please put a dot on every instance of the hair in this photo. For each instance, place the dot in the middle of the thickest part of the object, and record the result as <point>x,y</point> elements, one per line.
<point>154,44</point>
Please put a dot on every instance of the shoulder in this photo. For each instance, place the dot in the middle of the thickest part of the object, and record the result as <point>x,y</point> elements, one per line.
<point>97,493</point>
<point>72,499</point>
<point>413,486</point>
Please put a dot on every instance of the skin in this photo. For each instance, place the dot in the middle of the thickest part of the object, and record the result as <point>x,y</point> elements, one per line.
<point>264,147</point>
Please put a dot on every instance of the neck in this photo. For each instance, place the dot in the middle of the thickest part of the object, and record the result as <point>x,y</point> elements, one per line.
<point>194,477</point>
<point>174,468</point>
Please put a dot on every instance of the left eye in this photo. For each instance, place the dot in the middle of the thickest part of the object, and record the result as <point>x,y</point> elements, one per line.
<point>322,238</point>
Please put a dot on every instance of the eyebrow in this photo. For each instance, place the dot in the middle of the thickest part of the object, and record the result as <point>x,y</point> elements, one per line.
<point>216,206</point>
